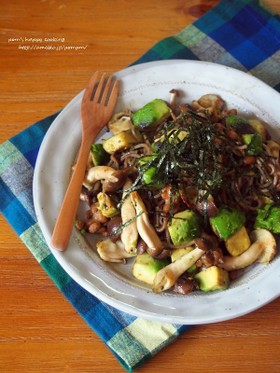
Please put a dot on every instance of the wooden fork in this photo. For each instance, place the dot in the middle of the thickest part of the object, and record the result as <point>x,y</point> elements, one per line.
<point>98,104</point>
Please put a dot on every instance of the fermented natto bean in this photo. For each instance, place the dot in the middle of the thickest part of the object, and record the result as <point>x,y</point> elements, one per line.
<point>249,159</point>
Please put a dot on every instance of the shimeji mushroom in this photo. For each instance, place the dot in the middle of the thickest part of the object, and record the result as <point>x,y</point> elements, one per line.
<point>273,148</point>
<point>167,276</point>
<point>112,179</point>
<point>263,249</point>
<point>120,122</point>
<point>100,173</point>
<point>129,235</point>
<point>270,249</point>
<point>121,176</point>
<point>144,226</point>
<point>174,94</point>
<point>111,251</point>
<point>208,102</point>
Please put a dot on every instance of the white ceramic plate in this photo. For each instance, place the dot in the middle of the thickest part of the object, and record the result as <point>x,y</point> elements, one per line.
<point>114,283</point>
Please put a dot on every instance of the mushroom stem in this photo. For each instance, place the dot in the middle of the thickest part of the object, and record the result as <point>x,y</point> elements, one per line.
<point>144,226</point>
<point>262,250</point>
<point>129,235</point>
<point>167,276</point>
<point>270,245</point>
<point>232,263</point>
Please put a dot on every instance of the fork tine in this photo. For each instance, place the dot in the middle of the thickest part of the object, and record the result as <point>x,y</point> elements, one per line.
<point>107,88</point>
<point>99,89</point>
<point>90,87</point>
<point>114,91</point>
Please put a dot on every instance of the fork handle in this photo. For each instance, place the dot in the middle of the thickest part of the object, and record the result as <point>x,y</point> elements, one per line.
<point>65,220</point>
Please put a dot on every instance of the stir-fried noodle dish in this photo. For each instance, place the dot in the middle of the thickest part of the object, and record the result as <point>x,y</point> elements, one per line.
<point>190,193</point>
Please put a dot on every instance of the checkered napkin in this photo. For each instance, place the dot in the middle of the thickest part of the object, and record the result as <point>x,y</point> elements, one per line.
<point>241,34</point>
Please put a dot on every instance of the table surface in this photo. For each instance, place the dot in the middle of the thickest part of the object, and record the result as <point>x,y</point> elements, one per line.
<point>39,329</point>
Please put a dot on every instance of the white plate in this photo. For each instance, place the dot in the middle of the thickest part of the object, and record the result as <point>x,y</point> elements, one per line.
<point>114,284</point>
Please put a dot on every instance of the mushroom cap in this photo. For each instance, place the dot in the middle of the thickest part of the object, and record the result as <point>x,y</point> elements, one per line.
<point>208,101</point>
<point>120,122</point>
<point>120,176</point>
<point>111,251</point>
<point>101,173</point>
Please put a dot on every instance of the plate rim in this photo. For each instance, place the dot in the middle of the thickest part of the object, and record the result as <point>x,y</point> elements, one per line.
<point>75,276</point>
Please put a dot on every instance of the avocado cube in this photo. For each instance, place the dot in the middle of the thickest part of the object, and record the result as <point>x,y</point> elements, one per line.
<point>106,205</point>
<point>240,124</point>
<point>149,170</point>
<point>120,141</point>
<point>146,267</point>
<point>268,218</point>
<point>212,278</point>
<point>151,114</point>
<point>259,127</point>
<point>184,227</point>
<point>150,177</point>
<point>235,121</point>
<point>239,242</point>
<point>98,155</point>
<point>254,143</point>
<point>227,222</point>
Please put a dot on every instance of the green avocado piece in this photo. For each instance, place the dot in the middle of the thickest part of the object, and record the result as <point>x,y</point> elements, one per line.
<point>240,124</point>
<point>149,171</point>
<point>184,227</point>
<point>146,267</point>
<point>98,155</point>
<point>212,278</point>
<point>150,177</point>
<point>258,127</point>
<point>227,222</point>
<point>235,120</point>
<point>254,143</point>
<point>268,218</point>
<point>151,114</point>
<point>147,161</point>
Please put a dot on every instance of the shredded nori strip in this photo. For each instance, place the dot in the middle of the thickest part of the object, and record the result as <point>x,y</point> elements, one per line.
<point>192,151</point>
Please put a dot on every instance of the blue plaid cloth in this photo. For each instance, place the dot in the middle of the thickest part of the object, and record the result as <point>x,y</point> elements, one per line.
<point>239,33</point>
